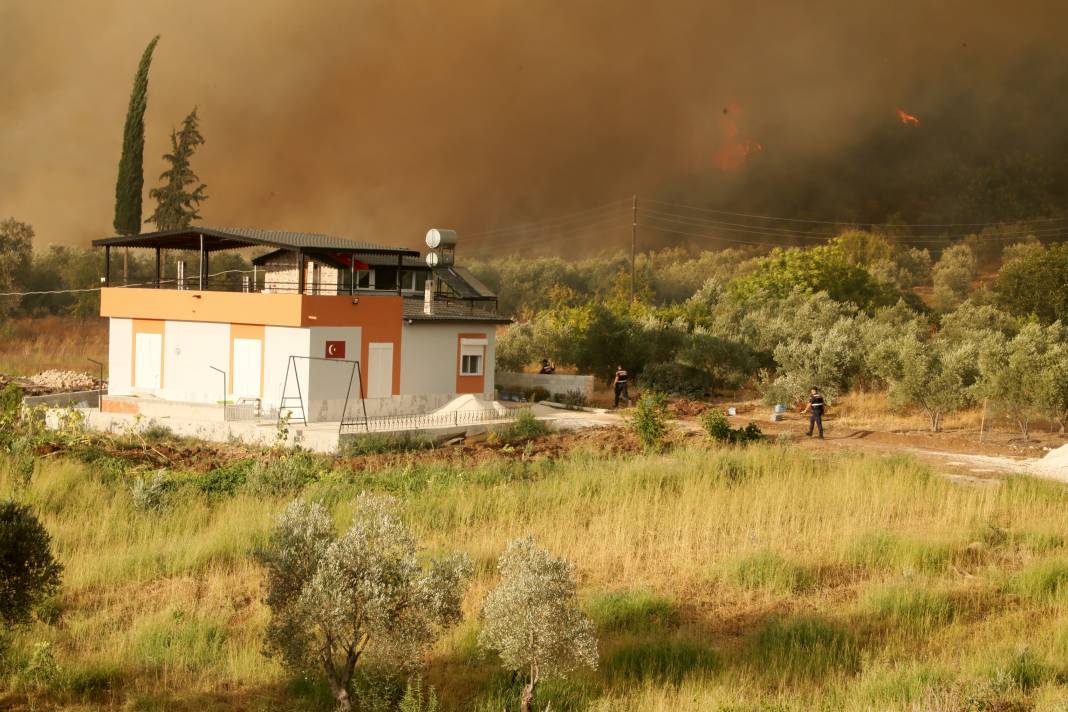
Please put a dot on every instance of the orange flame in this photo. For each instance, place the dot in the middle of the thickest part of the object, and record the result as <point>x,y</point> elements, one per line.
<point>733,150</point>
<point>907,118</point>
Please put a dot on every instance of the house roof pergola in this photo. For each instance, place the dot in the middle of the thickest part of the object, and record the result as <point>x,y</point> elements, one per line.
<point>212,239</point>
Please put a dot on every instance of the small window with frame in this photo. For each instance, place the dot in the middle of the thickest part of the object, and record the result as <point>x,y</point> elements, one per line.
<point>471,365</point>
<point>365,279</point>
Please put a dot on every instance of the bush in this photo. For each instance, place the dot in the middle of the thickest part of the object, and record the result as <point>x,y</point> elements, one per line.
<point>572,399</point>
<point>227,480</point>
<point>10,403</point>
<point>374,443</point>
<point>650,421</point>
<point>280,476</point>
<point>149,493</point>
<point>526,426</point>
<point>28,572</point>
<point>720,430</point>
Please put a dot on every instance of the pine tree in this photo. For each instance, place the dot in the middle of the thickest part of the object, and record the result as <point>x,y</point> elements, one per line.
<point>177,205</point>
<point>131,178</point>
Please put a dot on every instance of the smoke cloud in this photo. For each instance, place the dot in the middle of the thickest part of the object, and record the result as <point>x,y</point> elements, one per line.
<point>376,119</point>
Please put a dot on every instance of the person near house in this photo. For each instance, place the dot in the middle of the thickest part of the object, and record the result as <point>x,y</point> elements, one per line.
<point>546,367</point>
<point>815,408</point>
<point>620,385</point>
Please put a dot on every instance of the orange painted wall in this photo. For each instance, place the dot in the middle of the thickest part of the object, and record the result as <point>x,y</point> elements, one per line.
<point>147,326</point>
<point>379,317</point>
<point>470,384</point>
<point>247,331</point>
<point>249,307</point>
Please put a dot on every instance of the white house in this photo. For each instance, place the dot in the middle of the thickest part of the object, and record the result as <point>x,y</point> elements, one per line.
<point>321,322</point>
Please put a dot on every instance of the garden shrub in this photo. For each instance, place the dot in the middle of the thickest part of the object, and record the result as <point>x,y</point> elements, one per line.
<point>719,429</point>
<point>650,421</point>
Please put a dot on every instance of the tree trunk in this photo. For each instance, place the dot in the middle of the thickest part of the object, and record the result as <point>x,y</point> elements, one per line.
<point>527,698</point>
<point>935,418</point>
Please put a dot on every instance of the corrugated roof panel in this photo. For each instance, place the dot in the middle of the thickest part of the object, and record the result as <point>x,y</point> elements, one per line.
<point>233,237</point>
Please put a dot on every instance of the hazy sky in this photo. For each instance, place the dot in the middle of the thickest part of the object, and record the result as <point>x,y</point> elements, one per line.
<point>379,119</point>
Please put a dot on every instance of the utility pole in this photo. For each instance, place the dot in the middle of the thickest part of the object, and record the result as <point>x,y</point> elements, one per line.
<point>633,247</point>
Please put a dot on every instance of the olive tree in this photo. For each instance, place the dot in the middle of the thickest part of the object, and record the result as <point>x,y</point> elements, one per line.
<point>937,376</point>
<point>952,276</point>
<point>1020,375</point>
<point>337,601</point>
<point>1053,397</point>
<point>532,619</point>
<point>827,358</point>
<point>28,571</point>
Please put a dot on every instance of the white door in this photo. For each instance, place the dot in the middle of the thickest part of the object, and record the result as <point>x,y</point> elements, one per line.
<point>379,370</point>
<point>148,366</point>
<point>247,359</point>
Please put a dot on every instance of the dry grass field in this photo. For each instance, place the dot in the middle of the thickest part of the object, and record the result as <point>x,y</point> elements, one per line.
<point>766,578</point>
<point>29,346</point>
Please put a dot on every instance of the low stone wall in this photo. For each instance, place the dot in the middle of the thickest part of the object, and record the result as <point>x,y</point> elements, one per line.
<point>554,383</point>
<point>76,399</point>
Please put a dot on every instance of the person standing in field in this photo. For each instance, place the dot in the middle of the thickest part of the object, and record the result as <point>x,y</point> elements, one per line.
<point>815,407</point>
<point>620,385</point>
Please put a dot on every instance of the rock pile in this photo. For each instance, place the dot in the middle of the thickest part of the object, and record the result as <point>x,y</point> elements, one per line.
<point>63,381</point>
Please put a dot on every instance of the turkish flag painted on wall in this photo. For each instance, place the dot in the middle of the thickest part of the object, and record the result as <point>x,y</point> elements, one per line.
<point>335,349</point>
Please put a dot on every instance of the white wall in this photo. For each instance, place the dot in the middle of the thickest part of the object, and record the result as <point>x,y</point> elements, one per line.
<point>120,355</point>
<point>330,379</point>
<point>428,357</point>
<point>280,342</point>
<point>190,349</point>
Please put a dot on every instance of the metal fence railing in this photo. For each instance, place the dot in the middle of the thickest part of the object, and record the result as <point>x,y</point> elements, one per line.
<point>395,423</point>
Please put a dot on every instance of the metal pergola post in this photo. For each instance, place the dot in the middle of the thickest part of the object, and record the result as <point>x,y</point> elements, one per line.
<point>107,265</point>
<point>201,263</point>
<point>159,268</point>
<point>300,271</point>
<point>400,263</point>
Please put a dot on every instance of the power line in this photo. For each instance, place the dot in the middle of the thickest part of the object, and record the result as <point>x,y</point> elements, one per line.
<point>541,224</point>
<point>853,222</point>
<point>825,236</point>
<point>555,236</point>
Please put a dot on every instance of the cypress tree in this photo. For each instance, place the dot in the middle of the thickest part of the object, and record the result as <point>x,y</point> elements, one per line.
<point>176,204</point>
<point>131,178</point>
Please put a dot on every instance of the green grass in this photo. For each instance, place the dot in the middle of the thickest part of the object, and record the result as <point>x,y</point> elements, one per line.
<point>664,661</point>
<point>806,647</point>
<point>1043,582</point>
<point>910,608</point>
<point>887,587</point>
<point>771,571</point>
<point>634,612</point>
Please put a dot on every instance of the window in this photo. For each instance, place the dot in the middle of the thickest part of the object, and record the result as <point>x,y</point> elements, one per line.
<point>472,355</point>
<point>471,365</point>
<point>409,281</point>
<point>365,279</point>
